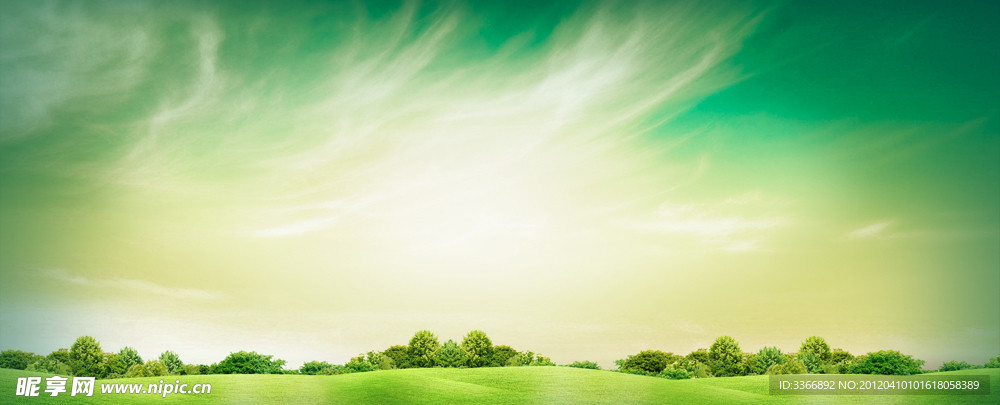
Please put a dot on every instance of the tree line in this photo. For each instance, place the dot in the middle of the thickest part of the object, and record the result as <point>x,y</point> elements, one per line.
<point>724,358</point>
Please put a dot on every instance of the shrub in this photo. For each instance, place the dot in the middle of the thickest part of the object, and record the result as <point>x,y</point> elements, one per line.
<point>811,361</point>
<point>993,363</point>
<point>695,367</point>
<point>521,359</point>
<point>423,349</point>
<point>86,358</point>
<point>359,364</point>
<point>190,369</point>
<point>887,362</point>
<point>398,355</point>
<point>725,357</point>
<point>451,355</point>
<point>790,366</point>
<point>700,355</point>
<point>502,355</point>
<point>171,360</point>
<point>315,367</point>
<point>955,365</point>
<point>126,358</point>
<point>675,373</point>
<point>478,348</point>
<point>584,364</point>
<point>648,361</point>
<point>243,362</point>
<point>816,345</point>
<point>50,365</point>
<point>840,356</point>
<point>17,360</point>
<point>138,370</point>
<point>542,361</point>
<point>765,358</point>
<point>156,368</point>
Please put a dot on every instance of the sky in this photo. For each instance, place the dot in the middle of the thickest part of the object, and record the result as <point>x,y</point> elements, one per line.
<point>315,180</point>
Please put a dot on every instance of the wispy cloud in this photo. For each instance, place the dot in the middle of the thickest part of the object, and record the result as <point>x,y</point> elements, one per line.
<point>133,286</point>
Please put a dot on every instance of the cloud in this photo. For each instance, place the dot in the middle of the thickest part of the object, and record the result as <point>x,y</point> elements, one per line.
<point>134,286</point>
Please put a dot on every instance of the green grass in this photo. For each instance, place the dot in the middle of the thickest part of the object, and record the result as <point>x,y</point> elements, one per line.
<point>509,385</point>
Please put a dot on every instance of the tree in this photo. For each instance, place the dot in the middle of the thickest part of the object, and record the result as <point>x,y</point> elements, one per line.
<point>126,358</point>
<point>816,345</point>
<point>315,367</point>
<point>542,361</point>
<point>380,361</point>
<point>887,362</point>
<point>243,362</point>
<point>725,357</point>
<point>61,355</point>
<point>502,355</point>
<point>648,361</point>
<point>790,366</point>
<point>521,359</point>
<point>359,364</point>
<point>700,355</point>
<point>51,366</point>
<point>423,349</point>
<point>86,358</point>
<point>138,370</point>
<point>811,361</point>
<point>172,361</point>
<point>452,355</point>
<point>584,364</point>
<point>478,348</point>
<point>156,368</point>
<point>840,356</point>
<point>399,356</point>
<point>993,363</point>
<point>675,373</point>
<point>765,358</point>
<point>955,365</point>
<point>17,360</point>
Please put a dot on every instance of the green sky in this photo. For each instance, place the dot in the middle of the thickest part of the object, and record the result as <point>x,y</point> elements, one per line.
<point>582,180</point>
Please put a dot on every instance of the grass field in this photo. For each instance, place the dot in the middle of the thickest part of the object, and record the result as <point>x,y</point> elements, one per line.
<point>509,385</point>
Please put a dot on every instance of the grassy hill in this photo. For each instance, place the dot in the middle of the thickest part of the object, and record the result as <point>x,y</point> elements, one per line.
<point>509,385</point>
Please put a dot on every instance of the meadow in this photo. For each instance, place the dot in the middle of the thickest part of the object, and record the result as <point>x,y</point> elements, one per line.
<point>492,385</point>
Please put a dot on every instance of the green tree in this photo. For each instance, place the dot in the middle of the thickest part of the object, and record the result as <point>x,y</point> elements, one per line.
<point>502,355</point>
<point>138,370</point>
<point>478,348</point>
<point>765,358</point>
<point>399,356</point>
<point>993,363</point>
<point>126,358</point>
<point>51,366</point>
<point>811,361</point>
<point>17,360</point>
<point>700,355</point>
<point>887,362</point>
<point>423,349</point>
<point>156,368</point>
<point>542,361</point>
<point>243,362</point>
<point>790,366</point>
<point>380,361</point>
<point>359,364</point>
<point>955,365</point>
<point>172,361</point>
<point>648,362</point>
<point>725,357</point>
<point>521,359</point>
<point>816,345</point>
<point>840,356</point>
<point>584,364</point>
<point>452,355</point>
<point>86,358</point>
<point>60,355</point>
<point>315,367</point>
<point>675,373</point>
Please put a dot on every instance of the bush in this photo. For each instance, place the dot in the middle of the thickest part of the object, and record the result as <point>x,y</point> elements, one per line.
<point>190,369</point>
<point>502,355</point>
<point>86,358</point>
<point>542,361</point>
<point>423,349</point>
<point>700,355</point>
<point>811,361</point>
<point>478,348</point>
<point>887,362</point>
<point>584,364</point>
<point>674,373</point>
<point>765,358</point>
<point>359,364</point>
<point>790,366</point>
<point>840,356</point>
<point>156,368</point>
<point>17,360</point>
<point>993,363</point>
<point>50,365</point>
<point>243,362</point>
<point>315,367</point>
<point>138,370</point>
<point>648,361</point>
<point>398,355</point>
<point>725,357</point>
<point>171,360</point>
<point>521,359</point>
<point>451,355</point>
<point>126,358</point>
<point>955,365</point>
<point>816,345</point>
<point>695,367</point>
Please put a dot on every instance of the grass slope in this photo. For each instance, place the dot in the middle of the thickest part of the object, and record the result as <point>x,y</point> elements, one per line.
<point>509,385</point>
